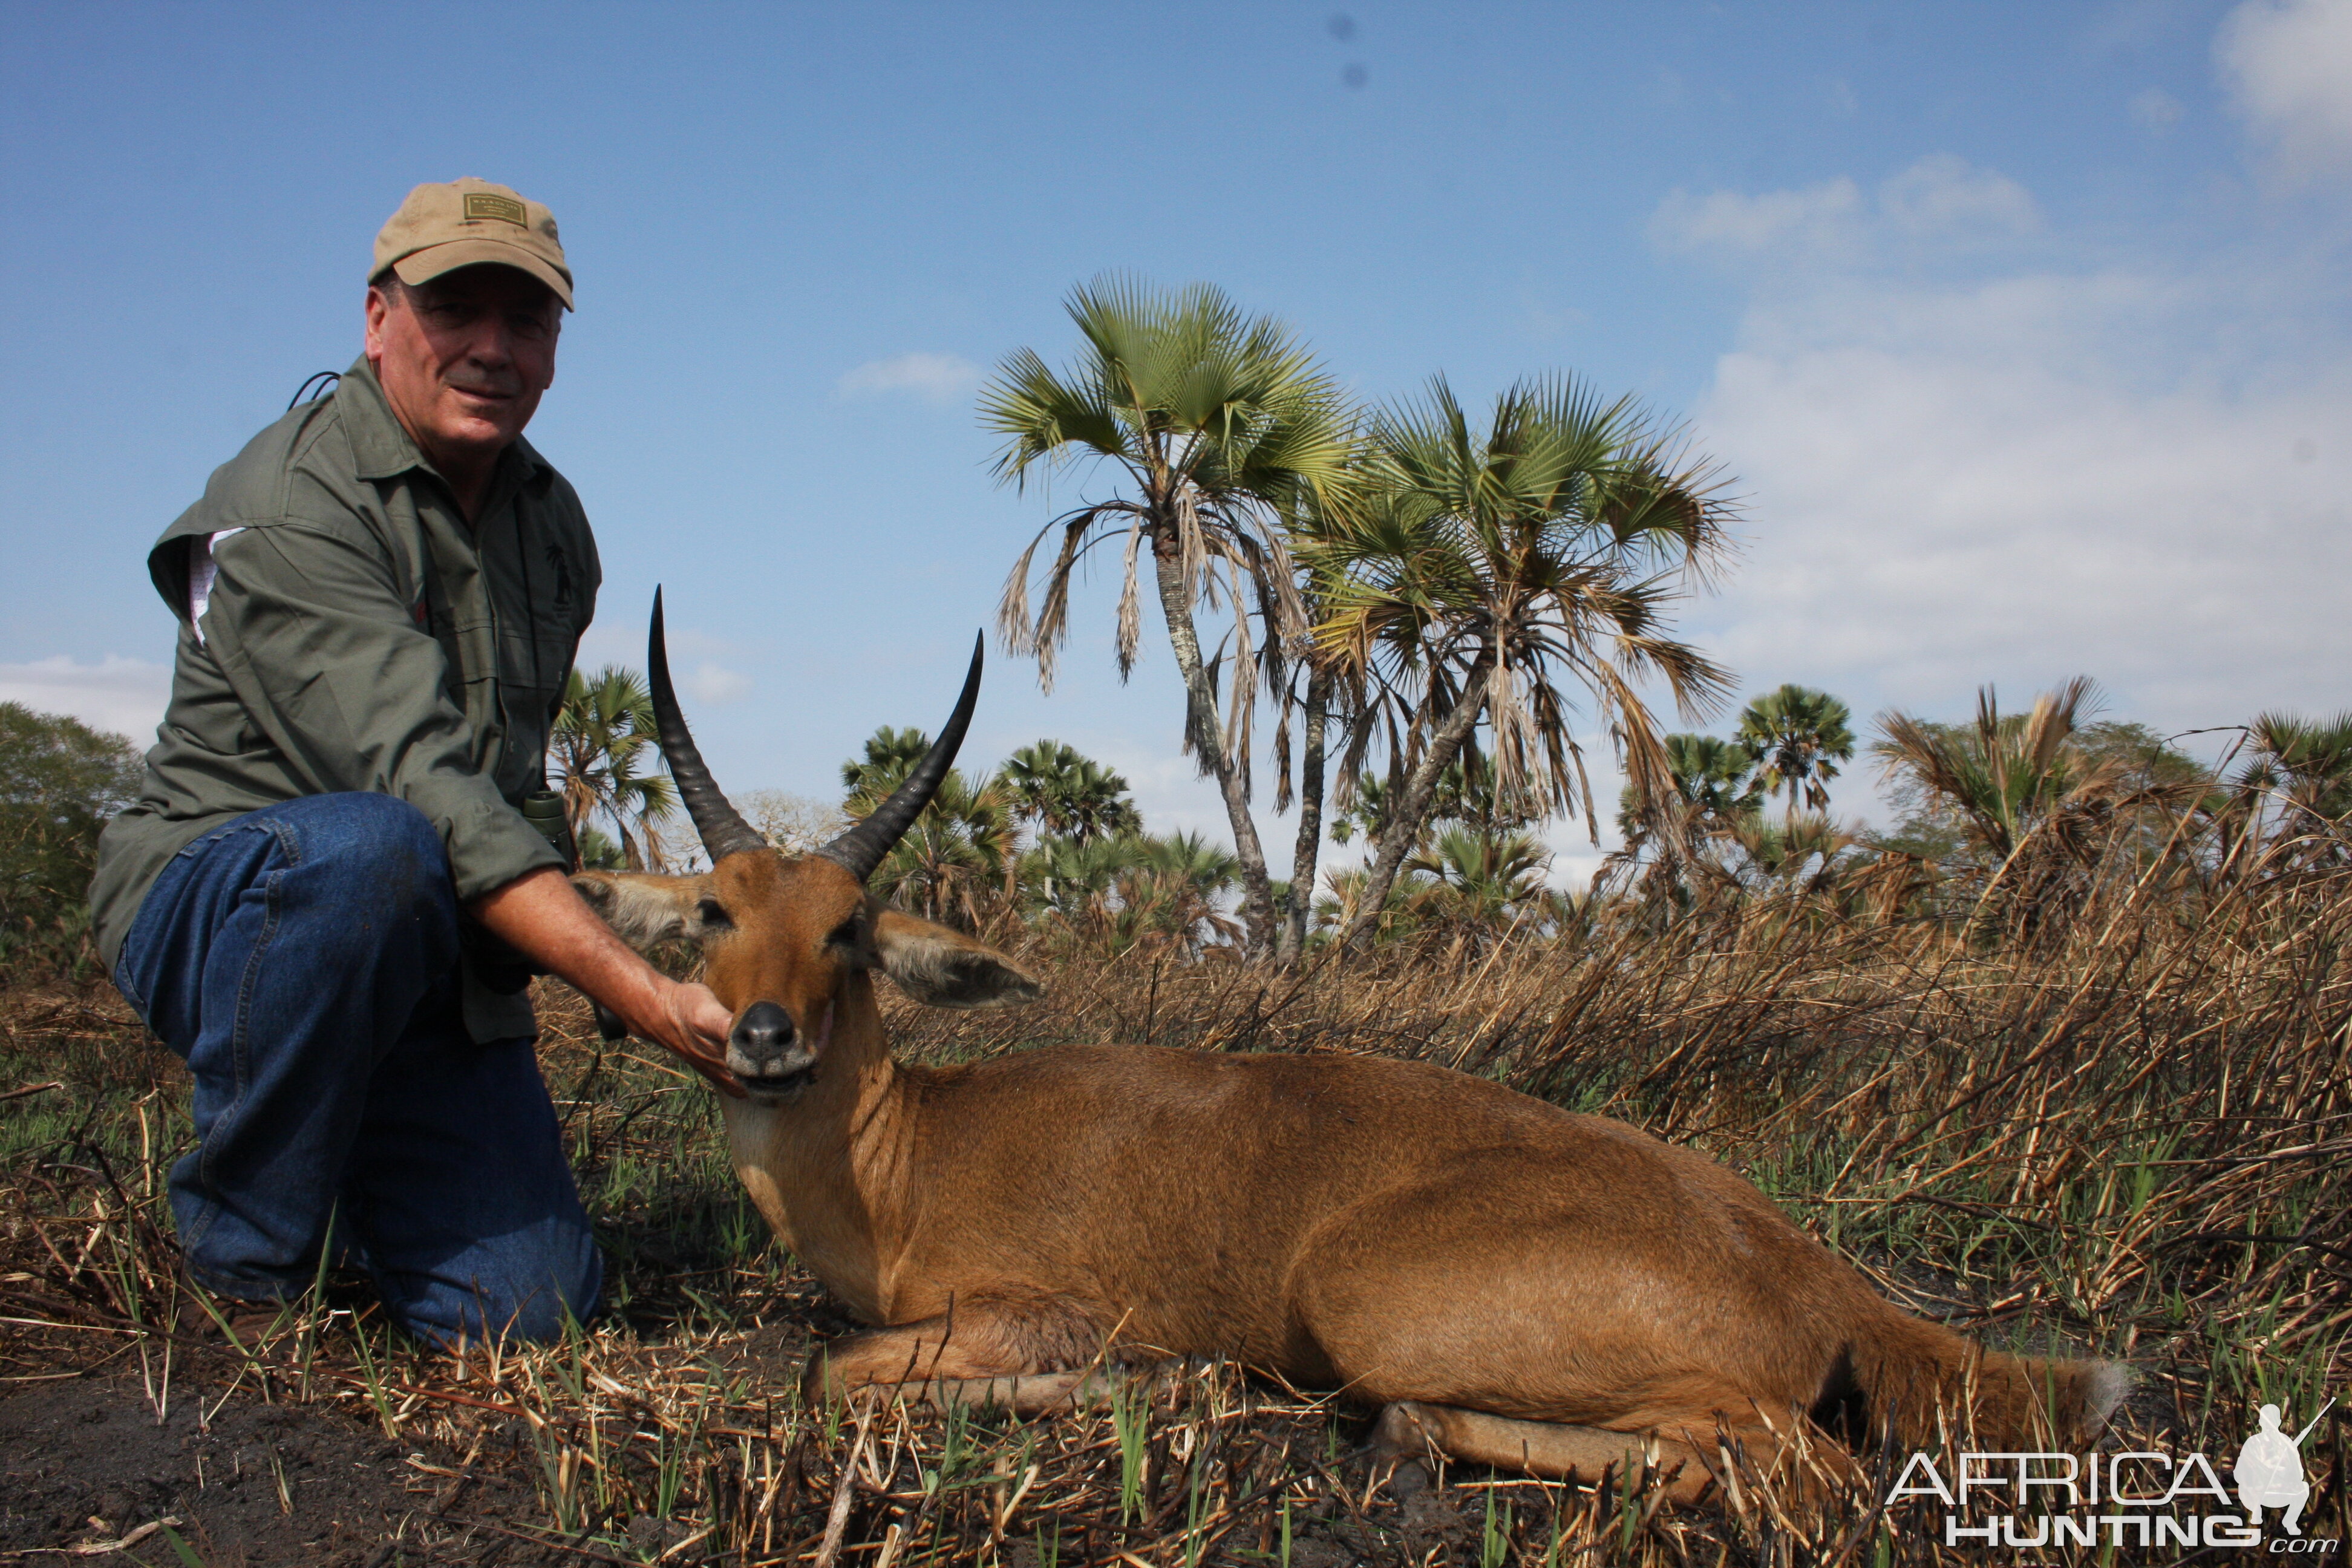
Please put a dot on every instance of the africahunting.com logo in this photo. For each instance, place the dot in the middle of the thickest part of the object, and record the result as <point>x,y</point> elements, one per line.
<point>2127,1500</point>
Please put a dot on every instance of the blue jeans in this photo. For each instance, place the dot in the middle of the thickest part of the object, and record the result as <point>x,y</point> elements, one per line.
<point>303,961</point>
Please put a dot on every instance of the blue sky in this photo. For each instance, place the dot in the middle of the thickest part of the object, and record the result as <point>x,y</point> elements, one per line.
<point>2021,328</point>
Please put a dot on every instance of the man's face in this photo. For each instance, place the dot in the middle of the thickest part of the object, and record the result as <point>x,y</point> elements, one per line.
<point>464,358</point>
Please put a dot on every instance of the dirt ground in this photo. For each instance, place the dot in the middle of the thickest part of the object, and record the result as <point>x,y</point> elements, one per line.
<point>85,1460</point>
<point>101,1463</point>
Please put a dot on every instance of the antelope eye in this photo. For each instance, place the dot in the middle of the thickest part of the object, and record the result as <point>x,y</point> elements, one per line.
<point>712,916</point>
<point>845,934</point>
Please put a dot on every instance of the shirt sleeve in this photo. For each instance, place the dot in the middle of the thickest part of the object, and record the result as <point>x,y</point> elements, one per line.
<point>314,631</point>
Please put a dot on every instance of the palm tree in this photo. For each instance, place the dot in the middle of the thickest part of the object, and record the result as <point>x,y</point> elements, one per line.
<point>1370,803</point>
<point>1464,795</point>
<point>2006,776</point>
<point>1182,882</point>
<point>1314,705</point>
<point>1716,777</point>
<point>1062,793</point>
<point>1481,884</point>
<point>598,852</point>
<point>1319,693</point>
<point>1338,911</point>
<point>1496,566</point>
<point>2036,805</point>
<point>1137,891</point>
<point>603,737</point>
<point>1219,426</point>
<point>1715,793</point>
<point>890,755</point>
<point>1798,736</point>
<point>2303,767</point>
<point>1066,874</point>
<point>1780,854</point>
<point>947,866</point>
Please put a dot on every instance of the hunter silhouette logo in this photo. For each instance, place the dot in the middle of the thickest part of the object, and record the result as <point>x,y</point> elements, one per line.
<point>2269,1472</point>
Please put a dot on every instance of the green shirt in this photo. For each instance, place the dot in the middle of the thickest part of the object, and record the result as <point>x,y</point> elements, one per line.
<point>359,636</point>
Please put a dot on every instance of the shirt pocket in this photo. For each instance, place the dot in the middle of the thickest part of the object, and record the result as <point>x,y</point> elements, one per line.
<point>535,668</point>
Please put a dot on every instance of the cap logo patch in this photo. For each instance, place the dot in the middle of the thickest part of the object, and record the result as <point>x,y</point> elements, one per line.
<point>488,204</point>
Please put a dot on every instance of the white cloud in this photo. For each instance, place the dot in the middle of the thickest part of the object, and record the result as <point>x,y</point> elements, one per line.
<point>125,695</point>
<point>934,378</point>
<point>2289,66</point>
<point>1819,217</point>
<point>715,683</point>
<point>1930,518</point>
<point>1944,195</point>
<point>1940,202</point>
<point>2034,471</point>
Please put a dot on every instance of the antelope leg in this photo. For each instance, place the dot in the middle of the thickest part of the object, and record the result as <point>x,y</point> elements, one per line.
<point>1701,1457</point>
<point>1410,1428</point>
<point>982,1353</point>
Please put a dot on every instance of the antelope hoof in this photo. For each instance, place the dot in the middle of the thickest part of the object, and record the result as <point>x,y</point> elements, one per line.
<point>1406,1447</point>
<point>1402,1433</point>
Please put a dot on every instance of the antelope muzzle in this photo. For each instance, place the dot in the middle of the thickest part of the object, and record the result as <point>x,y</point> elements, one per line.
<point>767,1051</point>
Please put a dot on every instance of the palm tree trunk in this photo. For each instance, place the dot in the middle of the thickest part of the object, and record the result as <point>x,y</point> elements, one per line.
<point>1200,727</point>
<point>1409,817</point>
<point>1310,820</point>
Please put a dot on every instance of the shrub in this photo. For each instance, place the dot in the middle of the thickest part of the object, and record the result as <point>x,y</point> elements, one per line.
<point>60,781</point>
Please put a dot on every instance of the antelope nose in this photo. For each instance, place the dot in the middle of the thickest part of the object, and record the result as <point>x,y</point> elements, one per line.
<point>764,1030</point>
<point>757,1043</point>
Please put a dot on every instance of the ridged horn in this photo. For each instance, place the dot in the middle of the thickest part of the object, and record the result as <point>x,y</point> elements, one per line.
<point>862,848</point>
<point>724,832</point>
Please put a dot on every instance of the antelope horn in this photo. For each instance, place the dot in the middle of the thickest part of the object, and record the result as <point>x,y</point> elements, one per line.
<point>862,848</point>
<point>724,832</point>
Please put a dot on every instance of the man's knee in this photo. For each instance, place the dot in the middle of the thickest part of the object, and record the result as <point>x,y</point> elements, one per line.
<point>380,852</point>
<point>381,834</point>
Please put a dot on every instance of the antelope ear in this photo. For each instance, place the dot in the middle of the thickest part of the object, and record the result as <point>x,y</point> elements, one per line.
<point>942,968</point>
<point>643,908</point>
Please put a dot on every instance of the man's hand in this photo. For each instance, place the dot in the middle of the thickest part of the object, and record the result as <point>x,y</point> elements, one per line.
<point>696,1014</point>
<point>542,917</point>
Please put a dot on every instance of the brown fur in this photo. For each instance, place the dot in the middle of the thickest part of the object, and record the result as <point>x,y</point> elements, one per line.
<point>1496,1268</point>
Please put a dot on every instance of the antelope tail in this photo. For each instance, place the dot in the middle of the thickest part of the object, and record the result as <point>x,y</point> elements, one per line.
<point>1919,1384</point>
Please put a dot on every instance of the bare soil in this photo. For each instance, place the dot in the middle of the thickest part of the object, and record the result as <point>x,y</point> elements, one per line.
<point>87,1460</point>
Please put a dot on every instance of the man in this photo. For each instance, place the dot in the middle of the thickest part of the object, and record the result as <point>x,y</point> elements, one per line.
<point>327,899</point>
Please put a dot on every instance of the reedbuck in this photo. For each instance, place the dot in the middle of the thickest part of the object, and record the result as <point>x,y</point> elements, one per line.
<point>1518,1285</point>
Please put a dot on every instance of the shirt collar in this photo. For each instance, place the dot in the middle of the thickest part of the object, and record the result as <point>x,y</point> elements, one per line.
<point>383,449</point>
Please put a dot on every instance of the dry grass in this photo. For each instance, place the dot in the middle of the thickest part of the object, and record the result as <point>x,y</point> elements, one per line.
<point>2132,1142</point>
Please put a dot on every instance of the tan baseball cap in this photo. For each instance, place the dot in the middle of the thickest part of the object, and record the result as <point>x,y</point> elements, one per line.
<point>440,229</point>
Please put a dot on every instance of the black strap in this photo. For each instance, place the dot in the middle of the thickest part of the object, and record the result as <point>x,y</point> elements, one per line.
<point>323,380</point>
